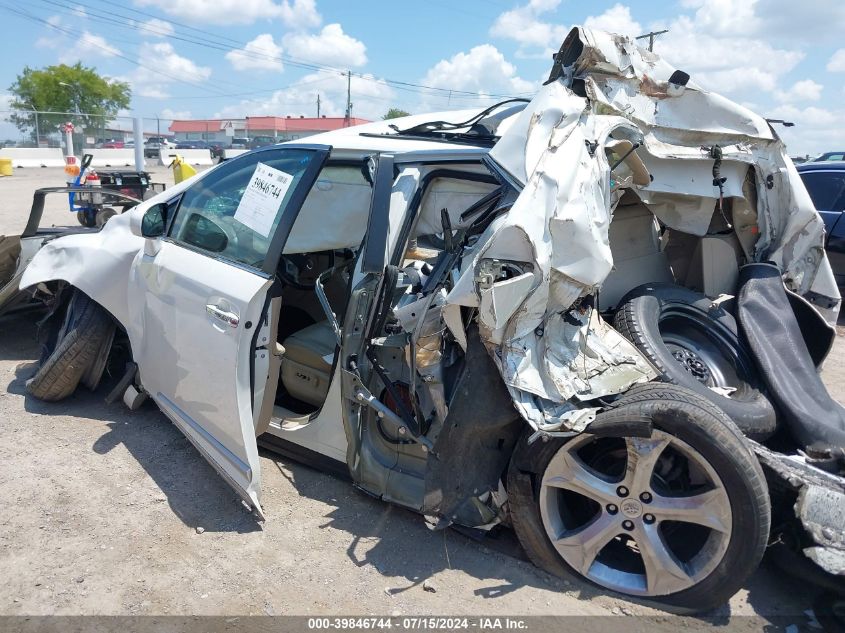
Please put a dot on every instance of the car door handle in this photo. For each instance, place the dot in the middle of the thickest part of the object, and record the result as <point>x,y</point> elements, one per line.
<point>230,318</point>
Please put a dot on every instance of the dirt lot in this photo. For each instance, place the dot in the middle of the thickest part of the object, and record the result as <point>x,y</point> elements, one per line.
<point>106,511</point>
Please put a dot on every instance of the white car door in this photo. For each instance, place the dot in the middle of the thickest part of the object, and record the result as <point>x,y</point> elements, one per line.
<point>199,295</point>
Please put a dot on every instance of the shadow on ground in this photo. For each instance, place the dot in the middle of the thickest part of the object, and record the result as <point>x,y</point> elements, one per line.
<point>392,540</point>
<point>194,491</point>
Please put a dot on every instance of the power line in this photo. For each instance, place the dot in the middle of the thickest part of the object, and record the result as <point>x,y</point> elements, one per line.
<point>211,40</point>
<point>651,35</point>
<point>111,51</point>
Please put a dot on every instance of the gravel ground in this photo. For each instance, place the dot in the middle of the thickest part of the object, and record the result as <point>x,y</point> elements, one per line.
<point>112,512</point>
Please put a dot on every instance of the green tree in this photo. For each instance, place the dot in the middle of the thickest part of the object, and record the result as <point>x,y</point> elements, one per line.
<point>394,113</point>
<point>64,88</point>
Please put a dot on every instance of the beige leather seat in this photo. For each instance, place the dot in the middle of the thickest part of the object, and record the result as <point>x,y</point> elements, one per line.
<point>307,362</point>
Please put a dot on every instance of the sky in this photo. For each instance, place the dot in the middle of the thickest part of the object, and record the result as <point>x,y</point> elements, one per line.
<point>232,58</point>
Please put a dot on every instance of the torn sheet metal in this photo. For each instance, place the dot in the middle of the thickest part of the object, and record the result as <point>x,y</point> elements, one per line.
<point>820,505</point>
<point>677,120</point>
<point>558,227</point>
<point>555,236</point>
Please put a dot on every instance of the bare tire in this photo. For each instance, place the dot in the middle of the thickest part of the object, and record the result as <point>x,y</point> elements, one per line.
<point>695,344</point>
<point>663,501</point>
<point>103,216</point>
<point>86,219</point>
<point>87,329</point>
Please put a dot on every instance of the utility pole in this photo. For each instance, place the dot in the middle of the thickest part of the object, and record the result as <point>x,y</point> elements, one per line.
<point>348,117</point>
<point>651,35</point>
<point>318,105</point>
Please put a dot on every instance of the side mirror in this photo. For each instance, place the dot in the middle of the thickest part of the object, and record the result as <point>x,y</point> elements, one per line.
<point>152,224</point>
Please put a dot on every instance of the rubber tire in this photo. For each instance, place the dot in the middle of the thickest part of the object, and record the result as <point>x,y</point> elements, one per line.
<point>706,428</point>
<point>103,216</point>
<point>86,329</point>
<point>86,219</point>
<point>637,319</point>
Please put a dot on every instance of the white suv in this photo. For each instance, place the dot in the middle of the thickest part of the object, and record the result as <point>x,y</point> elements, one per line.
<point>467,313</point>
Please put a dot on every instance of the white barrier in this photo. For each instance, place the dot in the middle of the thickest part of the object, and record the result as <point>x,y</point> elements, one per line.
<point>231,153</point>
<point>34,156</point>
<point>190,156</point>
<point>112,157</point>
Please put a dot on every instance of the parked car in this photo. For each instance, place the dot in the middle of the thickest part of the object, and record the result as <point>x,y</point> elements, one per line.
<point>239,142</point>
<point>825,181</point>
<point>113,144</point>
<point>261,141</point>
<point>543,315</point>
<point>216,149</point>
<point>154,144</point>
<point>829,156</point>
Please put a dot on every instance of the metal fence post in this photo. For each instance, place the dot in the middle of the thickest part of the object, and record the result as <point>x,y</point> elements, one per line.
<point>138,129</point>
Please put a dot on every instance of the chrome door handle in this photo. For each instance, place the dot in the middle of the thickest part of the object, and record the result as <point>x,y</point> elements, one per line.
<point>230,318</point>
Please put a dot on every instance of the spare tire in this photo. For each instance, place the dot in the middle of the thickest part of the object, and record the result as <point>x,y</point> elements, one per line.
<point>694,342</point>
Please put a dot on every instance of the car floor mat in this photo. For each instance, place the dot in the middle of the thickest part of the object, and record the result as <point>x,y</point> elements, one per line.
<point>815,419</point>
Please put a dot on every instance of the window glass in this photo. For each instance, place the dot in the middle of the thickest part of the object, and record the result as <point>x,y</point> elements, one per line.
<point>234,211</point>
<point>827,189</point>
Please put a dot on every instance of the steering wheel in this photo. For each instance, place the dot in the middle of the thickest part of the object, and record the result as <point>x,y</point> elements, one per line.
<point>300,270</point>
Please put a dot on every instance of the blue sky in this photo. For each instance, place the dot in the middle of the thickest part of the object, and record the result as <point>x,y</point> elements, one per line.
<point>231,58</point>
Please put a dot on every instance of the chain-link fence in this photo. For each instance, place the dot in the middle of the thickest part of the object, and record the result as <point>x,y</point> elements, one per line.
<point>30,129</point>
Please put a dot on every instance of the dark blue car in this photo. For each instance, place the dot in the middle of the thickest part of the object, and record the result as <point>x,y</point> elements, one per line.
<point>826,183</point>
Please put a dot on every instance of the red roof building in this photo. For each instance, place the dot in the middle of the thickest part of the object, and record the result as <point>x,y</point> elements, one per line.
<point>286,128</point>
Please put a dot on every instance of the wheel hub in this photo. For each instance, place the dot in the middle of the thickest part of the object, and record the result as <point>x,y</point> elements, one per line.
<point>631,508</point>
<point>693,363</point>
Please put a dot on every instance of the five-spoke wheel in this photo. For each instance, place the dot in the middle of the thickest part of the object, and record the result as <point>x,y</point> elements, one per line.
<point>660,499</point>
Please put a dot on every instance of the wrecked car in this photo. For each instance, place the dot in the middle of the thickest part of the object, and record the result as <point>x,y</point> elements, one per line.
<point>590,317</point>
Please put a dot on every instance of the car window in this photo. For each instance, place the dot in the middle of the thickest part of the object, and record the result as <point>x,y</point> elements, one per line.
<point>234,211</point>
<point>827,189</point>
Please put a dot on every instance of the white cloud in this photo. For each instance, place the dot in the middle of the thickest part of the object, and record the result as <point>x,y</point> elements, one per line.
<point>804,90</point>
<point>483,70</point>
<point>524,25</point>
<point>295,13</point>
<point>167,113</point>
<point>301,14</point>
<point>371,98</point>
<point>155,28</point>
<point>816,129</point>
<point>331,46</point>
<point>736,66</point>
<point>617,19</point>
<point>726,17</point>
<point>160,66</point>
<point>262,53</point>
<point>86,47</point>
<point>79,11</point>
<point>836,64</point>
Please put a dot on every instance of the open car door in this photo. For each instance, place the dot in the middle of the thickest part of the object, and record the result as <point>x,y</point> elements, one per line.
<point>199,295</point>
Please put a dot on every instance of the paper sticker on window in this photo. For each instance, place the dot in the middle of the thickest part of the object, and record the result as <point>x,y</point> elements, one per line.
<point>262,198</point>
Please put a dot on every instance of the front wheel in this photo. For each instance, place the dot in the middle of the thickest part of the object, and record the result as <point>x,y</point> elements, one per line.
<point>77,351</point>
<point>660,500</point>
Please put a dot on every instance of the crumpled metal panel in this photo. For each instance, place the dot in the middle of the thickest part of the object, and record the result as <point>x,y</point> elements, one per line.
<point>559,223</point>
<point>820,505</point>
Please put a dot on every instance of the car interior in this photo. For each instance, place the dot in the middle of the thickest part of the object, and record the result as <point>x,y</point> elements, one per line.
<point>340,204</point>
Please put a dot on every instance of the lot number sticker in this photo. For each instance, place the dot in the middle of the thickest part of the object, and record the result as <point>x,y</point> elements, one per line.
<point>262,198</point>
